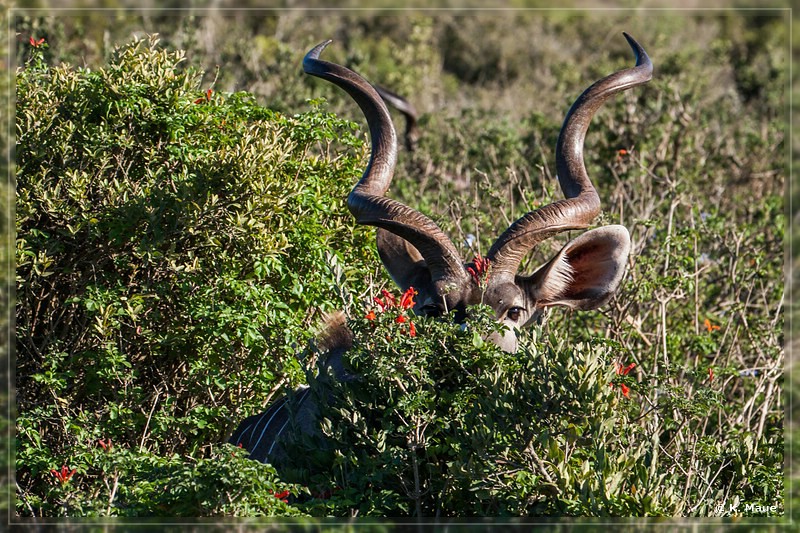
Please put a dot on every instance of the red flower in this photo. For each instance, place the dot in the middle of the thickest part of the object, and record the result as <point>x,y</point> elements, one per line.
<point>282,496</point>
<point>390,299</point>
<point>480,271</point>
<point>64,474</point>
<point>105,444</point>
<point>35,43</point>
<point>624,371</point>
<point>710,327</point>
<point>710,374</point>
<point>233,454</point>
<point>380,303</point>
<point>206,98</point>
<point>407,300</point>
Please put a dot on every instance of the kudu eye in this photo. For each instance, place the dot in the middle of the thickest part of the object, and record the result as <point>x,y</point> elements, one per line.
<point>514,313</point>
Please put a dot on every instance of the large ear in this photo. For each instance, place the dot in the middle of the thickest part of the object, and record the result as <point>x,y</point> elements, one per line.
<point>585,273</point>
<point>402,261</point>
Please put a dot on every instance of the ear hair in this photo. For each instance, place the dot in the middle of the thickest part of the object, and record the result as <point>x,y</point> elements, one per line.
<point>555,277</point>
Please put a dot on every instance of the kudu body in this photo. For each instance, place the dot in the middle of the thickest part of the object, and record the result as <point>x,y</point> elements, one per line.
<point>416,253</point>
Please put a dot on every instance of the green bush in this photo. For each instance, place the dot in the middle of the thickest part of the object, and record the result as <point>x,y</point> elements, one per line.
<point>171,254</point>
<point>442,423</point>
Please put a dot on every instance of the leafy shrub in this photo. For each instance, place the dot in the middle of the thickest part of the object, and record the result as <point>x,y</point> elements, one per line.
<point>440,422</point>
<point>169,252</point>
<point>446,424</point>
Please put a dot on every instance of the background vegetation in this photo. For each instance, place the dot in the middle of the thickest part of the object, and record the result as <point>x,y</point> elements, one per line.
<point>181,230</point>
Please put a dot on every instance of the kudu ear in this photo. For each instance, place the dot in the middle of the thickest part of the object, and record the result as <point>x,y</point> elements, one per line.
<point>402,261</point>
<point>585,273</point>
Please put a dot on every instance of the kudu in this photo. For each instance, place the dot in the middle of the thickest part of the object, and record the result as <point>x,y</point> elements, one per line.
<point>584,274</point>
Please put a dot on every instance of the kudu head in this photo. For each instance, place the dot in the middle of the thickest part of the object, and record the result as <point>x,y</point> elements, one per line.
<point>416,253</point>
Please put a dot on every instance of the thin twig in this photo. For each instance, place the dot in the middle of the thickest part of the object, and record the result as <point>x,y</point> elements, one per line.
<point>147,425</point>
<point>113,493</point>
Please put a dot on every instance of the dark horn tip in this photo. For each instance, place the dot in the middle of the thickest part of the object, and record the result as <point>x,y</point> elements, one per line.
<point>317,50</point>
<point>641,56</point>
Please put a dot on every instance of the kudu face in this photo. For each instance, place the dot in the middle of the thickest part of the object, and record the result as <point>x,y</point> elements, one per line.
<point>416,253</point>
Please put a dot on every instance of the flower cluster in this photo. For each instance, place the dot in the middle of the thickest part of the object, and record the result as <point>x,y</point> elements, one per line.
<point>480,272</point>
<point>623,371</point>
<point>282,496</point>
<point>36,43</point>
<point>64,474</point>
<point>389,302</point>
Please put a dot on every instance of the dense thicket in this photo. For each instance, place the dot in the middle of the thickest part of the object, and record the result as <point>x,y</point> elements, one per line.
<point>178,240</point>
<point>170,257</point>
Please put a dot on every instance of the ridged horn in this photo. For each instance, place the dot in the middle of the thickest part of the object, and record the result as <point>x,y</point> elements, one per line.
<point>367,201</point>
<point>582,204</point>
